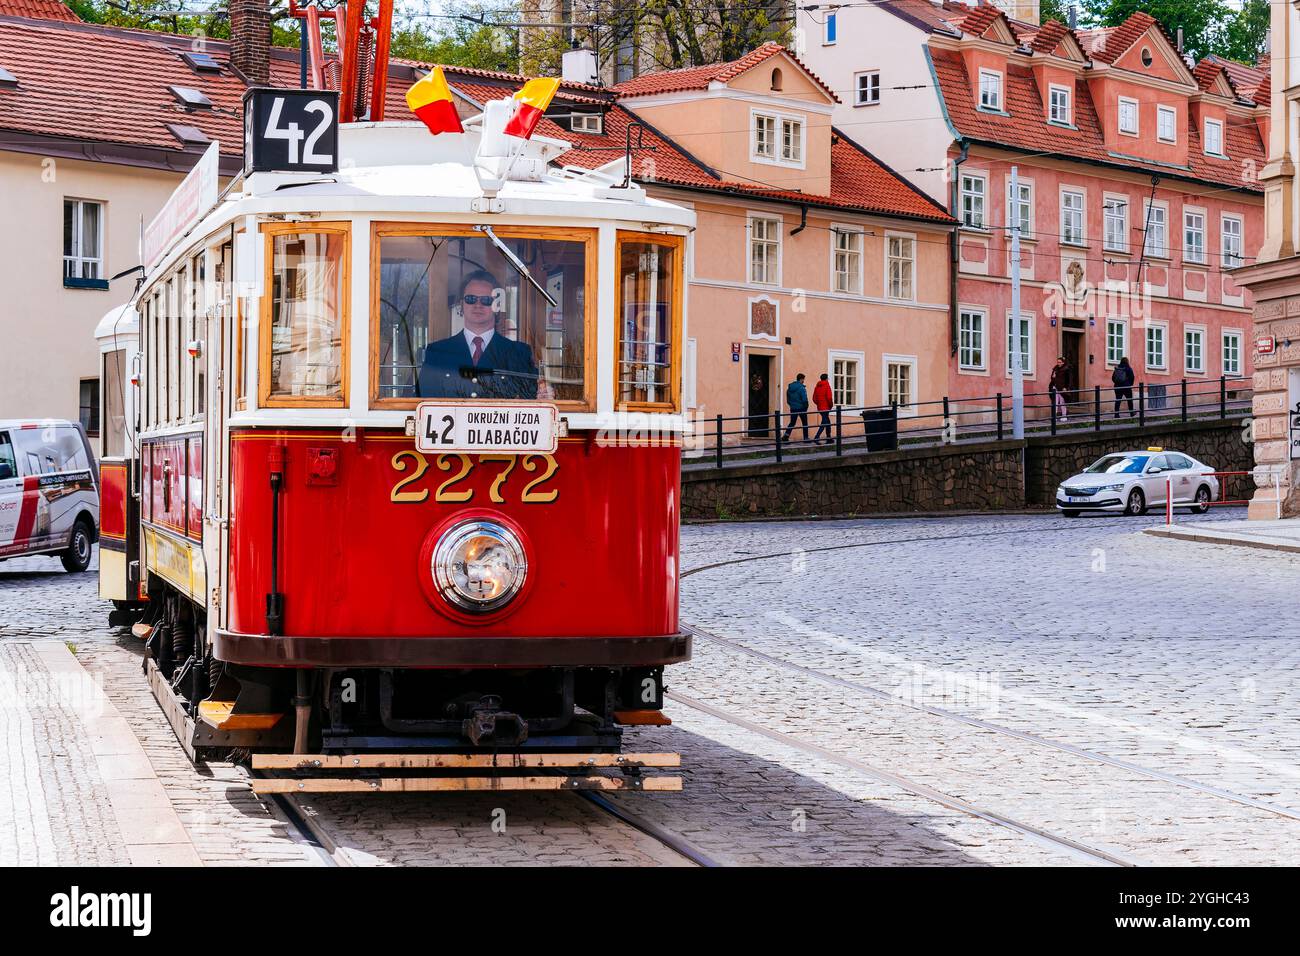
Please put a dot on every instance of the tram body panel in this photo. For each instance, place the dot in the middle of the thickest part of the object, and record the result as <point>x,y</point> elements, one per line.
<point>602,556</point>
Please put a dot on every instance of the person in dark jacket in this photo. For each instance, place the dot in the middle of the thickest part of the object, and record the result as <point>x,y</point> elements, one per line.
<point>825,401</point>
<point>796,400</point>
<point>477,362</point>
<point>1122,378</point>
<point>1059,385</point>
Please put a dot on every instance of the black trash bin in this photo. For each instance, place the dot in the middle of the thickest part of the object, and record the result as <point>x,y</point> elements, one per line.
<point>881,426</point>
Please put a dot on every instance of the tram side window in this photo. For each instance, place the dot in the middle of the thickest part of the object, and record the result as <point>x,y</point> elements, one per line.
<point>156,364</point>
<point>113,435</point>
<point>173,351</point>
<point>455,318</point>
<point>303,342</point>
<point>185,332</point>
<point>649,307</point>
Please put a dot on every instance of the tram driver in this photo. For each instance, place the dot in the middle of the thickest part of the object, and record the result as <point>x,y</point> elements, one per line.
<point>478,362</point>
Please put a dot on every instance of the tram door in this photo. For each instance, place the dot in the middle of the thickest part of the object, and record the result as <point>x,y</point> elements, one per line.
<point>758,395</point>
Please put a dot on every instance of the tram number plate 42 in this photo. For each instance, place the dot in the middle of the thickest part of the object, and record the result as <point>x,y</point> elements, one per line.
<point>516,428</point>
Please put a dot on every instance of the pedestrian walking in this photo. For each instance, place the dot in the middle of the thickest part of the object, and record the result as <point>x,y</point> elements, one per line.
<point>1122,378</point>
<point>825,401</point>
<point>796,400</point>
<point>1058,385</point>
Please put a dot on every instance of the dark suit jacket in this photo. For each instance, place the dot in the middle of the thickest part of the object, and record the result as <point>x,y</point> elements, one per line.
<point>441,373</point>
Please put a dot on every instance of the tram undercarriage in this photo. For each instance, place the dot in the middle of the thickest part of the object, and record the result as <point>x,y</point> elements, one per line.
<point>218,708</point>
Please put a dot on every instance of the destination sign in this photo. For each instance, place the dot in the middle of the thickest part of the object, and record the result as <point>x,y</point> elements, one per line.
<point>516,428</point>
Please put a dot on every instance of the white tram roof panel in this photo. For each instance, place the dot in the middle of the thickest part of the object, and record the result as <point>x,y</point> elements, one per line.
<point>120,322</point>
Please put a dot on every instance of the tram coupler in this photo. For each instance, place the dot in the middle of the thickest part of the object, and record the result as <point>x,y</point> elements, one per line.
<point>498,727</point>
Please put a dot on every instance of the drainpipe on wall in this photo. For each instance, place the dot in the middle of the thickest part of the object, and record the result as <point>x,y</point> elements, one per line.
<point>953,251</point>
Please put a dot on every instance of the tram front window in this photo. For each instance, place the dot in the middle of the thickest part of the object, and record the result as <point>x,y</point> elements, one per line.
<point>457,316</point>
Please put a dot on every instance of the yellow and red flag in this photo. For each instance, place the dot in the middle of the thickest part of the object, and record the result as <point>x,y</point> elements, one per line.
<point>532,102</point>
<point>430,100</point>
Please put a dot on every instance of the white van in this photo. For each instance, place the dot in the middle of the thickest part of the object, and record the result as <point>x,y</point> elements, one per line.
<point>49,491</point>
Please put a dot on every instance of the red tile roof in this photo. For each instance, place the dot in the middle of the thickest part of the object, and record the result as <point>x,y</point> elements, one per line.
<point>978,20</point>
<point>1026,128</point>
<point>1250,82</point>
<point>38,10</point>
<point>1047,39</point>
<point>699,77</point>
<point>859,181</point>
<point>1108,44</point>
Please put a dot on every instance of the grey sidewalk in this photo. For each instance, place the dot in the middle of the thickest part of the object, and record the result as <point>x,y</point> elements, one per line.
<point>1278,535</point>
<point>77,788</point>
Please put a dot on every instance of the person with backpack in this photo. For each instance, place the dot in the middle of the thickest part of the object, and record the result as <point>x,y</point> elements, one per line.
<point>1122,378</point>
<point>796,401</point>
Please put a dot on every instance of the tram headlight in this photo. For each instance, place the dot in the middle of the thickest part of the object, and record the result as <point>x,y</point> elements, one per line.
<point>479,565</point>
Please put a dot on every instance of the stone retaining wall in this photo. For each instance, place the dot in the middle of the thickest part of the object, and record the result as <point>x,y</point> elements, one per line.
<point>983,476</point>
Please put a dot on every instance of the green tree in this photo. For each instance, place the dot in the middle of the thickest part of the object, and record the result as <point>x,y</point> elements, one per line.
<point>1204,23</point>
<point>1247,32</point>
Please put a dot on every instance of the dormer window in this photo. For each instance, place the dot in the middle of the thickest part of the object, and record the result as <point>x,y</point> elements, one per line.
<point>1058,105</point>
<point>586,123</point>
<point>990,90</point>
<point>1214,137</point>
<point>1128,116</point>
<point>1166,124</point>
<point>777,139</point>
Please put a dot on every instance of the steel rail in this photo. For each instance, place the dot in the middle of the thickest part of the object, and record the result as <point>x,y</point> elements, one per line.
<point>310,831</point>
<point>674,841</point>
<point>1122,764</point>
<point>1037,834</point>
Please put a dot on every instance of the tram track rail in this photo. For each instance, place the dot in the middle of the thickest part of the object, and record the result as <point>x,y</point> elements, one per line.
<point>308,829</point>
<point>1037,834</point>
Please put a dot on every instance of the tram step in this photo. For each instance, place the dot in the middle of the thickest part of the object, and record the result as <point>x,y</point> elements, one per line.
<point>496,761</point>
<point>269,785</point>
<point>219,715</point>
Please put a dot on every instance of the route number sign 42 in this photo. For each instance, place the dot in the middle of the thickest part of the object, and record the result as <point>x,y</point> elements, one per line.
<point>294,131</point>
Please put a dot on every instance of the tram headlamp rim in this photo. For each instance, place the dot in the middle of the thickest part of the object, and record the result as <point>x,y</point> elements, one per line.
<point>447,554</point>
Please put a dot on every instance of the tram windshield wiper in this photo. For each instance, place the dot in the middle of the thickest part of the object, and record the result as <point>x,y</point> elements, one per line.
<point>519,266</point>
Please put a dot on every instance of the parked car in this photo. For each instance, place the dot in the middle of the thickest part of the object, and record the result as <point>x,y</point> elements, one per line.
<point>1133,481</point>
<point>49,491</point>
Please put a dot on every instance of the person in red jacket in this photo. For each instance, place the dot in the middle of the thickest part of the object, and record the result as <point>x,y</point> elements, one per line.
<point>824,401</point>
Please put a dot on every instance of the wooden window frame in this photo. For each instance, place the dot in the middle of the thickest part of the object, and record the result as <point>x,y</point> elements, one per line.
<point>270,231</point>
<point>678,244</point>
<point>591,266</point>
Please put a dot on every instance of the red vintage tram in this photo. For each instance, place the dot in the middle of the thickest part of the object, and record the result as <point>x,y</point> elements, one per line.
<point>398,469</point>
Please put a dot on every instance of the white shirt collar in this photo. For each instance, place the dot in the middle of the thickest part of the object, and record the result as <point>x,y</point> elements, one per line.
<point>470,336</point>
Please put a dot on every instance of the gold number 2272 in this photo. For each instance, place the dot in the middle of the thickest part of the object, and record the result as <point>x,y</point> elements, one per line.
<point>445,493</point>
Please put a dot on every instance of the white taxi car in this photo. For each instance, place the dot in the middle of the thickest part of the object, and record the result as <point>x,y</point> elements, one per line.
<point>1133,481</point>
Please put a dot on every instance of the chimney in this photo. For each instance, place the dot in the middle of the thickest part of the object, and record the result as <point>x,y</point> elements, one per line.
<point>250,40</point>
<point>1074,16</point>
<point>579,66</point>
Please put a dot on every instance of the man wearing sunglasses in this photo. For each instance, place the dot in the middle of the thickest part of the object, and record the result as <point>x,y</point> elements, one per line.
<point>477,362</point>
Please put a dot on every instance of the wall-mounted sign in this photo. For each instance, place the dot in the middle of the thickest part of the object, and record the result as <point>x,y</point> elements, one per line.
<point>1265,344</point>
<point>295,131</point>
<point>735,351</point>
<point>190,202</point>
<point>516,428</point>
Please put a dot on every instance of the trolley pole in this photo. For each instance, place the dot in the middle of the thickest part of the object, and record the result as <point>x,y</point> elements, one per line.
<point>1017,372</point>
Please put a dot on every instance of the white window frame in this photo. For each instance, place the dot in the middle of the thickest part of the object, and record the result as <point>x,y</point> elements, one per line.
<point>1113,355</point>
<point>830,29</point>
<point>963,349</point>
<point>1163,329</point>
<point>780,121</point>
<point>971,194</point>
<point>1137,116</point>
<point>1029,360</point>
<point>1189,332</point>
<point>1192,253</point>
<point>78,259</point>
<point>1108,202</point>
<point>857,358</point>
<point>590,123</point>
<point>1149,220</point>
<point>1239,337</point>
<point>749,248</point>
<point>1163,112</point>
<point>907,409</point>
<point>996,88</point>
<point>1205,141</point>
<point>1026,186</point>
<point>890,258</point>
<point>873,88</point>
<point>1067,212</point>
<point>1065,114</point>
<point>1232,260</point>
<point>762,149</point>
<point>856,275</point>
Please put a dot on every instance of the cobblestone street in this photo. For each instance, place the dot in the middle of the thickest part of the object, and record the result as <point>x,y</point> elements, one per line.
<point>955,691</point>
